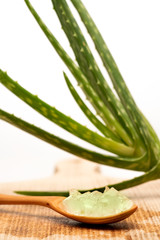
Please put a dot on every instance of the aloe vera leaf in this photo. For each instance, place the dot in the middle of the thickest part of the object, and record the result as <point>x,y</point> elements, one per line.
<point>79,76</point>
<point>119,162</point>
<point>153,174</point>
<point>118,82</point>
<point>98,124</point>
<point>39,133</point>
<point>148,176</point>
<point>105,54</point>
<point>63,121</point>
<point>88,64</point>
<point>43,193</point>
<point>75,70</point>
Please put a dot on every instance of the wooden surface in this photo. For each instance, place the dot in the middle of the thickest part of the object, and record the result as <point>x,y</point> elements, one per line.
<point>37,222</point>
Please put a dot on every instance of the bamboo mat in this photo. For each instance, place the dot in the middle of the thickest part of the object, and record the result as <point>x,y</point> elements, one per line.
<point>35,222</point>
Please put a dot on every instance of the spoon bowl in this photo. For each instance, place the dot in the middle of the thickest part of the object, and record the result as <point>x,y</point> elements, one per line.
<point>56,204</point>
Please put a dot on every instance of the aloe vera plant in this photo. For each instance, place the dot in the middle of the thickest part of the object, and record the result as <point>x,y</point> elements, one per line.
<point>123,129</point>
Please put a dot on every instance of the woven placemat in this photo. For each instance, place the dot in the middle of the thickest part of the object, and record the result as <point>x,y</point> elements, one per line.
<point>36,222</point>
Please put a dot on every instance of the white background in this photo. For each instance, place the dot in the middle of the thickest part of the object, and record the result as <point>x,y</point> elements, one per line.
<point>131,30</point>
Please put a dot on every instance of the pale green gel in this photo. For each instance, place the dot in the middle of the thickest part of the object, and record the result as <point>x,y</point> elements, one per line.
<point>97,204</point>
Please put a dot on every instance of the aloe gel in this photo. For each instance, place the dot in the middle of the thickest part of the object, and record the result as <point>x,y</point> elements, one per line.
<point>97,204</point>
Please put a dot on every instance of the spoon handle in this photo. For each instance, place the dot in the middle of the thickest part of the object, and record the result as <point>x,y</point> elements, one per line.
<point>28,200</point>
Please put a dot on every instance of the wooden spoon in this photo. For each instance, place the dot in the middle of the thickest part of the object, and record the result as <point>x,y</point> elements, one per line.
<point>56,204</point>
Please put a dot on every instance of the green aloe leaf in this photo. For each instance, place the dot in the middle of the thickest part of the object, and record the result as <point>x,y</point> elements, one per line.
<point>119,84</point>
<point>92,96</point>
<point>62,120</point>
<point>88,64</point>
<point>148,176</point>
<point>119,162</point>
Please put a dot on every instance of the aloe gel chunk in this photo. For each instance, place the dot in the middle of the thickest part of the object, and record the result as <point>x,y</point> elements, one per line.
<point>97,204</point>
